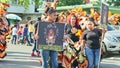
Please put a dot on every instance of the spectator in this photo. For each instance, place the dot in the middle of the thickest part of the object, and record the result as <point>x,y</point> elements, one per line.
<point>25,35</point>
<point>14,34</point>
<point>31,30</point>
<point>19,33</point>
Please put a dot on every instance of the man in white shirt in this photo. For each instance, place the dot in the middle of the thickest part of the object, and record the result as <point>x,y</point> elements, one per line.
<point>14,35</point>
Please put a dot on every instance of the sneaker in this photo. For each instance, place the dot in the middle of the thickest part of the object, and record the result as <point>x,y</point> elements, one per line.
<point>33,54</point>
<point>29,44</point>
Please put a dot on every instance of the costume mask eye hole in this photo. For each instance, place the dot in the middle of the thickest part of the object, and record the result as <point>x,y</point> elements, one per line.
<point>81,19</point>
<point>82,24</point>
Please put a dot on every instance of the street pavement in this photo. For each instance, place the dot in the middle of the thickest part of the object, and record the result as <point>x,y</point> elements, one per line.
<point>19,56</point>
<point>111,61</point>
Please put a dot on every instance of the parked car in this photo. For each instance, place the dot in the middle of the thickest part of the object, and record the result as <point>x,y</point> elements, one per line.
<point>111,41</point>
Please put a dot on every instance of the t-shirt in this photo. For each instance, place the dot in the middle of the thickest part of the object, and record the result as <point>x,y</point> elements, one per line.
<point>25,31</point>
<point>92,38</point>
<point>14,31</point>
<point>19,32</point>
<point>31,28</point>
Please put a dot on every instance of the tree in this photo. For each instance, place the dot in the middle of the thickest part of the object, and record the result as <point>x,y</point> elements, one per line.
<point>24,3</point>
<point>113,2</point>
<point>37,4</point>
<point>70,2</point>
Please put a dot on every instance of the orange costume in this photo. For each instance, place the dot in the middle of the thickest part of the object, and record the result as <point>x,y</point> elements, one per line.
<point>4,29</point>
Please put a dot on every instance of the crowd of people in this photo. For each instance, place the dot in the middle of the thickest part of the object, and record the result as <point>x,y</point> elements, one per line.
<point>23,35</point>
<point>81,28</point>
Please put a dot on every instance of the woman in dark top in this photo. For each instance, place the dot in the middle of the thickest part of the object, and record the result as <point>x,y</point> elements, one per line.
<point>72,28</point>
<point>91,43</point>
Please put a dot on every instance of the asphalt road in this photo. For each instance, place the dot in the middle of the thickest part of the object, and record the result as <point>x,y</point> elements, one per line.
<point>18,56</point>
<point>111,61</point>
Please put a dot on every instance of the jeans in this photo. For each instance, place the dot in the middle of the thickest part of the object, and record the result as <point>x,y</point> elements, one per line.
<point>45,55</point>
<point>35,48</point>
<point>92,57</point>
<point>14,38</point>
<point>25,37</point>
<point>30,35</point>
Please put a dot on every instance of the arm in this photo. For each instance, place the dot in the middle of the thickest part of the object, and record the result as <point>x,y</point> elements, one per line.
<point>34,32</point>
<point>83,40</point>
<point>83,45</point>
<point>36,37</point>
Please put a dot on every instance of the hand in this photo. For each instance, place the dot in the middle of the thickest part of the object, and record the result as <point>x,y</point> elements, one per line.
<point>104,31</point>
<point>82,49</point>
<point>74,30</point>
<point>82,52</point>
<point>77,45</point>
<point>36,37</point>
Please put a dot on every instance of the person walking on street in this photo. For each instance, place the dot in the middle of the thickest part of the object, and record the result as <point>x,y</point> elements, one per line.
<point>91,42</point>
<point>14,34</point>
<point>31,30</point>
<point>46,54</point>
<point>19,34</point>
<point>25,35</point>
<point>35,42</point>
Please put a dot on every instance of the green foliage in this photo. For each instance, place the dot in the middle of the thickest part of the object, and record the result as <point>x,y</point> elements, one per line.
<point>37,2</point>
<point>113,2</point>
<point>24,3</point>
<point>69,2</point>
<point>5,1</point>
<point>21,2</point>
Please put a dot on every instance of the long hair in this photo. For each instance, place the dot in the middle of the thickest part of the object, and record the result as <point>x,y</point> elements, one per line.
<point>69,19</point>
